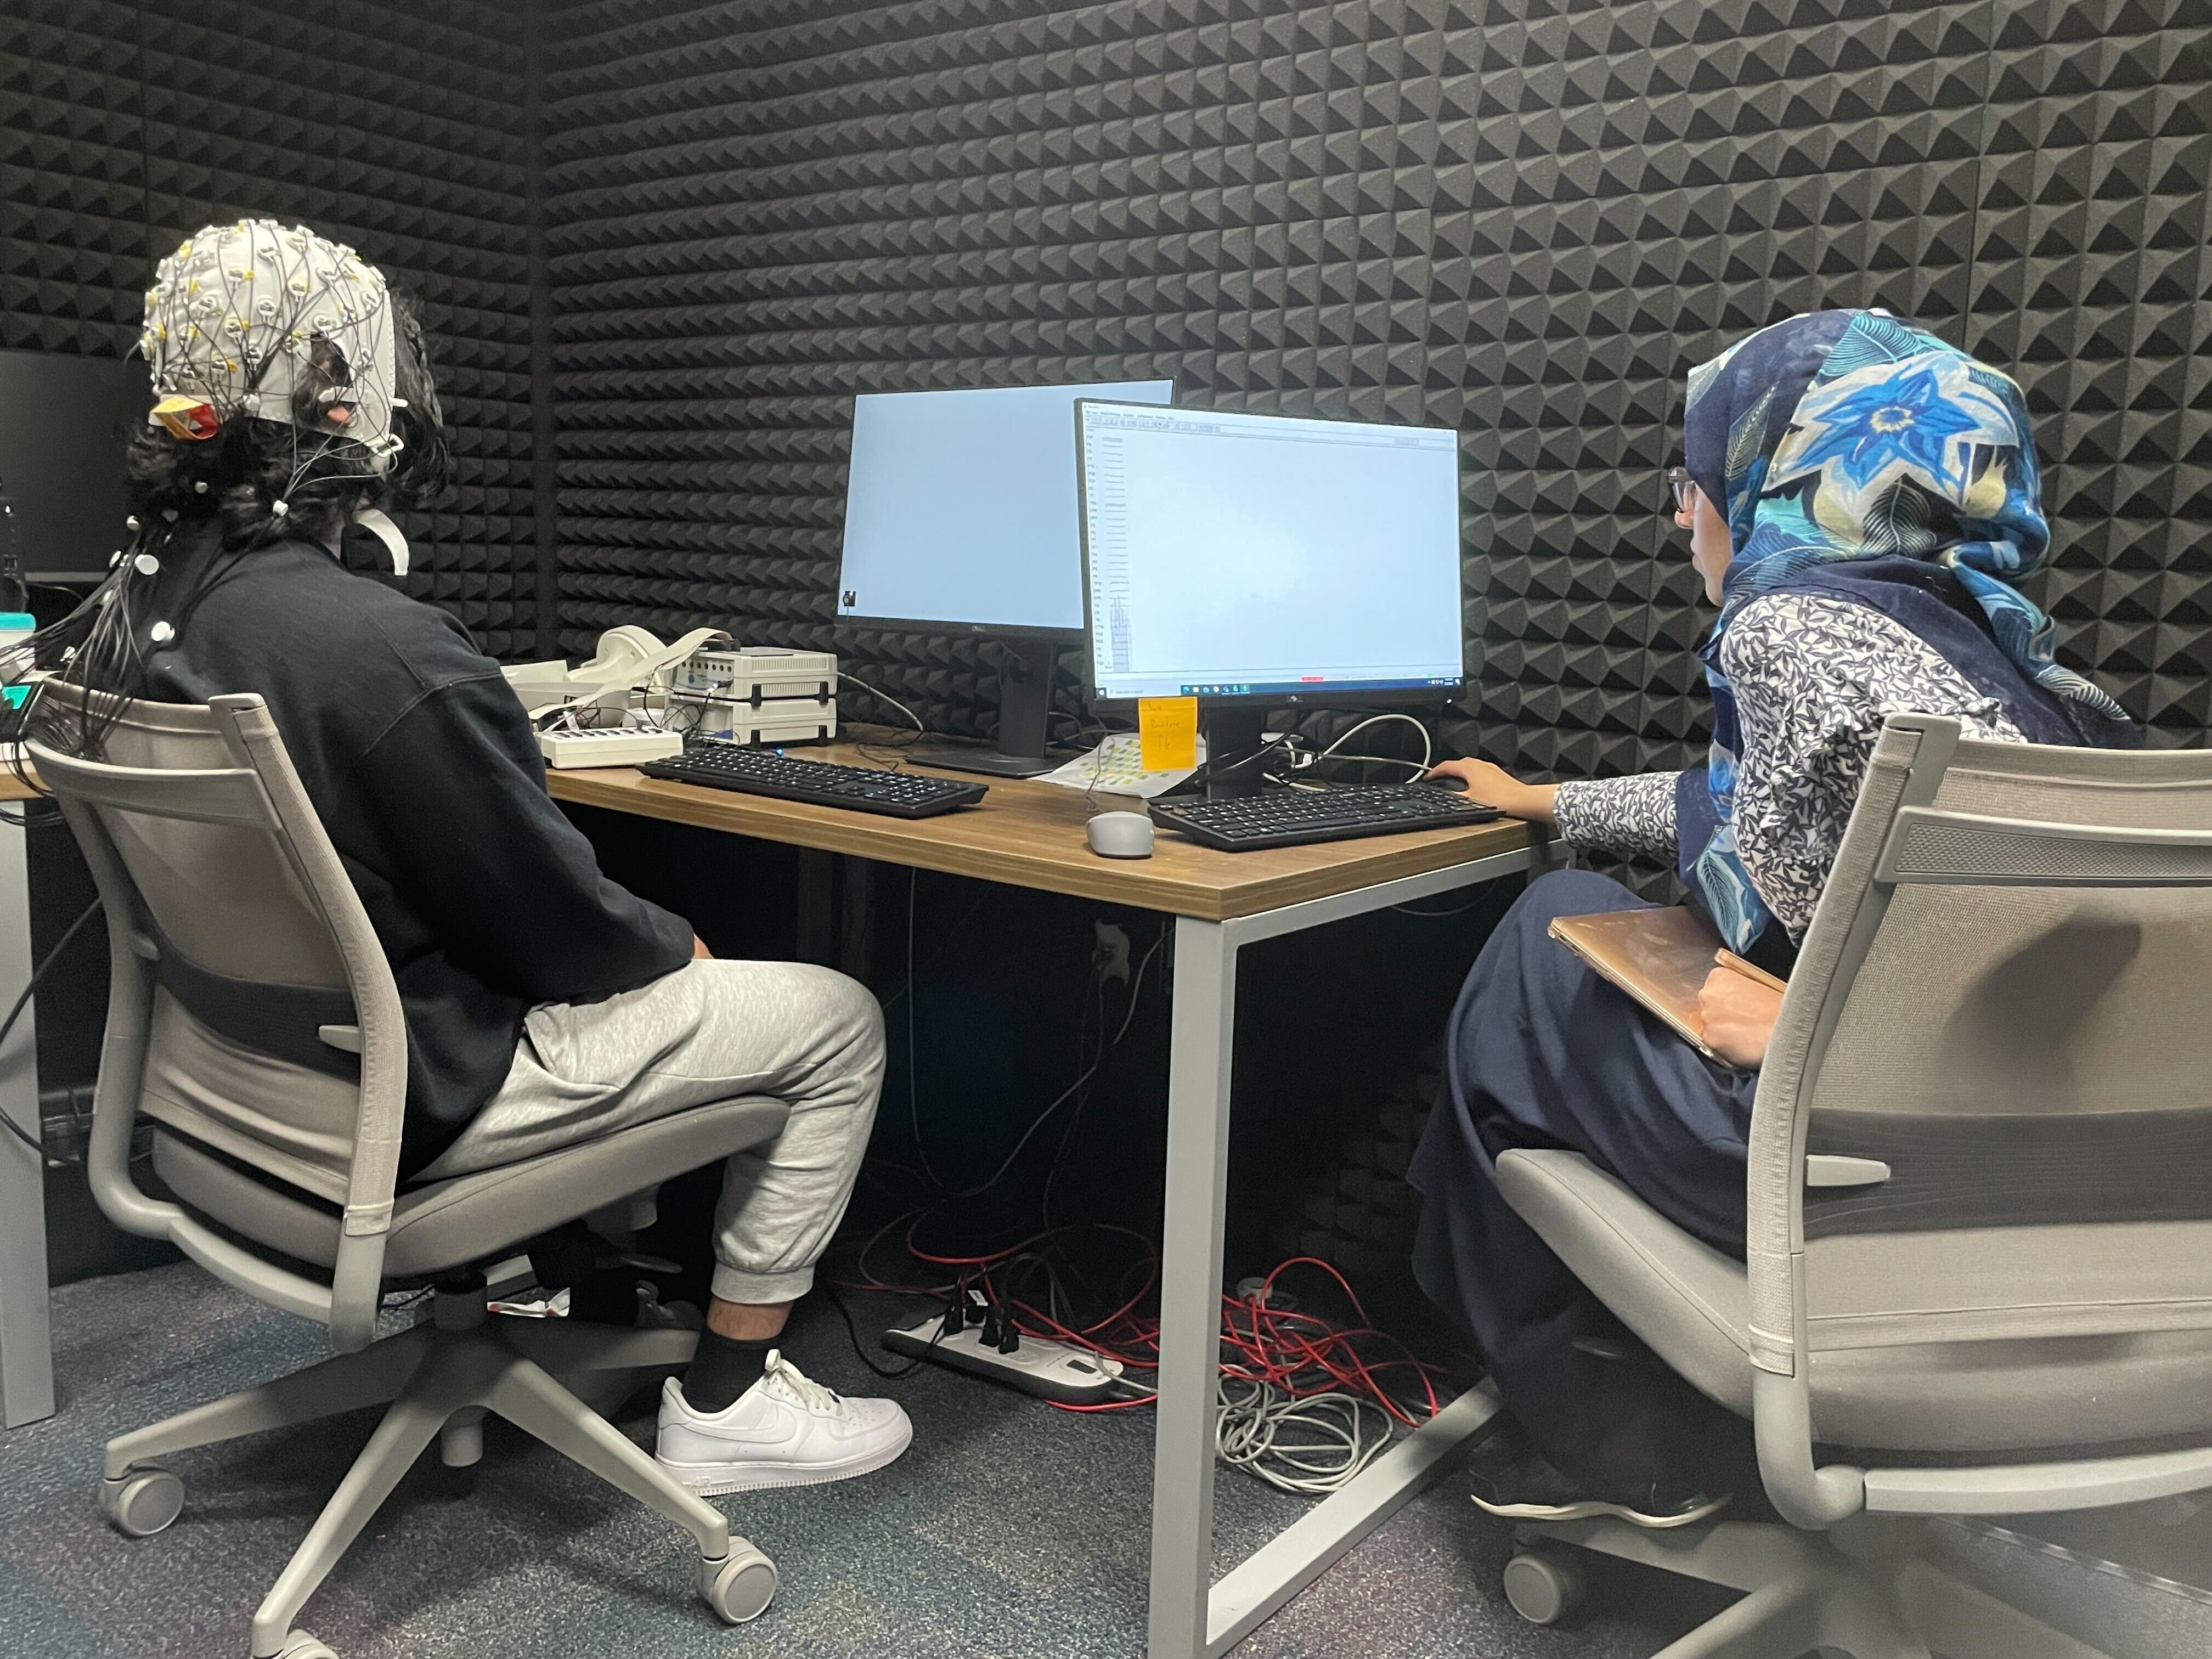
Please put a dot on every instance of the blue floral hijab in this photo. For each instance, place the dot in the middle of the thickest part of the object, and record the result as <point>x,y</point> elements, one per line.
<point>1849,437</point>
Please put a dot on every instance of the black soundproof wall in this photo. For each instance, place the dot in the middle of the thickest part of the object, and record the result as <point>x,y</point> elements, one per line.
<point>1525,220</point>
<point>395,126</point>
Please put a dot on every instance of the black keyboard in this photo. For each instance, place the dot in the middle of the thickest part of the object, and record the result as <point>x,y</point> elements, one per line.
<point>1291,817</point>
<point>763,772</point>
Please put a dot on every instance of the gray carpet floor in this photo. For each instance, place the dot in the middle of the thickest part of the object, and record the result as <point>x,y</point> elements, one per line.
<point>1009,1531</point>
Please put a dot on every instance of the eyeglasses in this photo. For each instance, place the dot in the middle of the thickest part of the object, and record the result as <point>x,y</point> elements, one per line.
<point>1680,481</point>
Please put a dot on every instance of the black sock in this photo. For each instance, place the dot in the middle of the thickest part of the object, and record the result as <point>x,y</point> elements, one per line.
<point>723,1369</point>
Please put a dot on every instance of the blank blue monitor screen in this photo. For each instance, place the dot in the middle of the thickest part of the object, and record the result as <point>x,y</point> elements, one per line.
<point>1253,556</point>
<point>961,507</point>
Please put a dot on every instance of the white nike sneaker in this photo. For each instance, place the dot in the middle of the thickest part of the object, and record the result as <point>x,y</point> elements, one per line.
<point>785,1430</point>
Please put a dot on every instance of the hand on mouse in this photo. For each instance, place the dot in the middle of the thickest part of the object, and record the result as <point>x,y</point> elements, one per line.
<point>1493,786</point>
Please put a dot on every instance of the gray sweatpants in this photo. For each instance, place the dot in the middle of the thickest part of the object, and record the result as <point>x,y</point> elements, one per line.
<point>708,1032</point>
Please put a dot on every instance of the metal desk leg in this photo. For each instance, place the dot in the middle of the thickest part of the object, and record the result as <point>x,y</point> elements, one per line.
<point>1202,1029</point>
<point>26,1370</point>
<point>1190,1617</point>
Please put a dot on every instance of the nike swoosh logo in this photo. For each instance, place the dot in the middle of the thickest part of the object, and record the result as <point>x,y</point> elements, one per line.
<point>751,1437</point>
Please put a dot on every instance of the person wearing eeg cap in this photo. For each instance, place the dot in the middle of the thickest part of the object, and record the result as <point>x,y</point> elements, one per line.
<point>544,1004</point>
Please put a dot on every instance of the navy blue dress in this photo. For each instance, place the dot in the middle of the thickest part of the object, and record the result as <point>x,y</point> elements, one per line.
<point>1542,1053</point>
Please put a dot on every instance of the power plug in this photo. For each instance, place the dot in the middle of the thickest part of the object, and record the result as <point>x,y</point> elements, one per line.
<point>1109,957</point>
<point>1276,1298</point>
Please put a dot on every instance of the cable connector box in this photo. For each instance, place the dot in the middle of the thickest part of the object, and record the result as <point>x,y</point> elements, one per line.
<point>606,745</point>
<point>761,693</point>
<point>770,725</point>
<point>759,674</point>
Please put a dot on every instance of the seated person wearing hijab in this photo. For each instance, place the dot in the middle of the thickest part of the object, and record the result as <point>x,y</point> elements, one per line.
<point>1859,496</point>
<point>544,1004</point>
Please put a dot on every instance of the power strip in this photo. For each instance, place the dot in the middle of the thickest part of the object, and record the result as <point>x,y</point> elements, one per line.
<point>608,746</point>
<point>1048,1369</point>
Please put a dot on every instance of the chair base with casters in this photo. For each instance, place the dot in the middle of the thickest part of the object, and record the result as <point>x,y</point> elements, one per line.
<point>1859,1586</point>
<point>1861,1589</point>
<point>436,1381</point>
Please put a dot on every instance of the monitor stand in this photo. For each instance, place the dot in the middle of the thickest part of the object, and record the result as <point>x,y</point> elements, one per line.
<point>1231,735</point>
<point>1025,703</point>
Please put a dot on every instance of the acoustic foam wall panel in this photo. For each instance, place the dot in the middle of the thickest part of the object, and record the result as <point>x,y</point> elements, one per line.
<point>396,127</point>
<point>2093,280</point>
<point>1525,221</point>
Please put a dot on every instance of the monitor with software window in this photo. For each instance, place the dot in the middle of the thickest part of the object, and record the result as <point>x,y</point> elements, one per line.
<point>961,518</point>
<point>1256,561</point>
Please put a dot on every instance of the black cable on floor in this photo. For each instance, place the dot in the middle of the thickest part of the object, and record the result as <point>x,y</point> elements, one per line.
<point>38,1143</point>
<point>852,1330</point>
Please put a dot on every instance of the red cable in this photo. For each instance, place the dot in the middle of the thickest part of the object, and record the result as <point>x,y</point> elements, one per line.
<point>1300,1353</point>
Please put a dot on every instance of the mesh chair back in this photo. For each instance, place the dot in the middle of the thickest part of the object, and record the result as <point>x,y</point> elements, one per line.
<point>252,1006</point>
<point>224,893</point>
<point>2003,1002</point>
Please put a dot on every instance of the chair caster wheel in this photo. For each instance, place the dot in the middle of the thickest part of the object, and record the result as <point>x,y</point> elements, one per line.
<point>1545,1587</point>
<point>300,1645</point>
<point>740,1586</point>
<point>142,1502</point>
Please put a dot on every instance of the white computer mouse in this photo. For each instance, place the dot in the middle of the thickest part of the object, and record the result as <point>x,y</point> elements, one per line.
<point>1121,835</point>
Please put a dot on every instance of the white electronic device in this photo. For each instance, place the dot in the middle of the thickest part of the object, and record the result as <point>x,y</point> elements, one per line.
<point>760,693</point>
<point>607,745</point>
<point>630,666</point>
<point>630,655</point>
<point>1120,836</point>
<point>771,729</point>
<point>521,674</point>
<point>1048,1369</point>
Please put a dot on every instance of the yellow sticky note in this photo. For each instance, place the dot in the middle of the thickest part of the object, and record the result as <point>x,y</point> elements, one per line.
<point>1167,732</point>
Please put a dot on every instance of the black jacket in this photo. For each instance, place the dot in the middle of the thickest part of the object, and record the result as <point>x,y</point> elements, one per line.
<point>420,761</point>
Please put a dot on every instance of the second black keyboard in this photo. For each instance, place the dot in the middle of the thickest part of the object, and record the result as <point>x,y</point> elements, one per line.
<point>1291,817</point>
<point>823,783</point>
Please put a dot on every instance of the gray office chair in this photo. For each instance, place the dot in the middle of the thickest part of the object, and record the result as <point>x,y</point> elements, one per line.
<point>1980,1191</point>
<point>252,1017</point>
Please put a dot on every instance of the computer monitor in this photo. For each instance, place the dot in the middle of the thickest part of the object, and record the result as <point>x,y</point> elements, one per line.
<point>64,420</point>
<point>1255,561</point>
<point>961,518</point>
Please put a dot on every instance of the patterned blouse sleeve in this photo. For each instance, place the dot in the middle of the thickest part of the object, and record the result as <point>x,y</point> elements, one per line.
<point>1629,815</point>
<point>1814,678</point>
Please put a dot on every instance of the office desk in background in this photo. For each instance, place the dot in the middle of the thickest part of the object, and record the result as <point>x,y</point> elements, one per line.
<point>1031,834</point>
<point>26,1364</point>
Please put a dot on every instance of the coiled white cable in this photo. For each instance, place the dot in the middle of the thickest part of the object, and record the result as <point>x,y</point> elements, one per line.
<point>1317,1444</point>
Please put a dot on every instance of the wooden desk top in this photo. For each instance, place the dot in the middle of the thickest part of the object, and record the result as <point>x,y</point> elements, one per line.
<point>12,787</point>
<point>1031,834</point>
